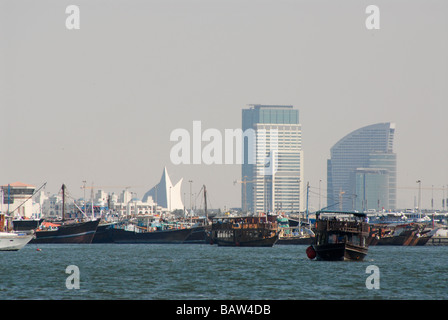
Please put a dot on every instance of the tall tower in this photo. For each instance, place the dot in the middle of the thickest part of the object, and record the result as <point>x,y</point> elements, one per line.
<point>273,177</point>
<point>362,170</point>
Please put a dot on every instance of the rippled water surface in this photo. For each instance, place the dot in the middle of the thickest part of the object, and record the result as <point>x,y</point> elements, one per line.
<point>110,271</point>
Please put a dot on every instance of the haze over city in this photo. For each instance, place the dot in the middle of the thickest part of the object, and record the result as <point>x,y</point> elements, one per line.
<point>98,104</point>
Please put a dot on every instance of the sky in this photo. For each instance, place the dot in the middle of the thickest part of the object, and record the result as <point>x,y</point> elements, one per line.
<point>98,103</point>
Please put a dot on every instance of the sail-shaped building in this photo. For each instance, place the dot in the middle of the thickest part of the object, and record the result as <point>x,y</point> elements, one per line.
<point>165,194</point>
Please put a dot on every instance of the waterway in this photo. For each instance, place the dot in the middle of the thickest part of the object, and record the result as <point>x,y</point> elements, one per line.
<point>205,272</point>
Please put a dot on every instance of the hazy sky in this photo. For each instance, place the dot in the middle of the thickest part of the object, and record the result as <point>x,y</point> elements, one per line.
<point>99,103</point>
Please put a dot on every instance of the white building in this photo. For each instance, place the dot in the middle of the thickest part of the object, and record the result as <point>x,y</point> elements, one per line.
<point>52,206</point>
<point>16,199</point>
<point>274,181</point>
<point>166,194</point>
<point>162,198</point>
<point>128,204</point>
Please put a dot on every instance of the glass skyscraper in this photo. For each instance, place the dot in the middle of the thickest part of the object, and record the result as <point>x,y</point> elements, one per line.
<point>362,170</point>
<point>273,180</point>
<point>372,186</point>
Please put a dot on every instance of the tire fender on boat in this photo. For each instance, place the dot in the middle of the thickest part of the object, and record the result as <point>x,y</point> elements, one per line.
<point>310,252</point>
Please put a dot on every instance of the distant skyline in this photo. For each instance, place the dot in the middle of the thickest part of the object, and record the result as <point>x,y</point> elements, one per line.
<point>98,104</point>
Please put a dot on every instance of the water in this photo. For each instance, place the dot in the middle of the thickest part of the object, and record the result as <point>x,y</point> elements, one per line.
<point>183,272</point>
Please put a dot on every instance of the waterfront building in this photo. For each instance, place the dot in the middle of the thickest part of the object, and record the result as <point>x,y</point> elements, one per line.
<point>134,206</point>
<point>165,194</point>
<point>14,199</point>
<point>52,206</point>
<point>272,170</point>
<point>362,170</point>
<point>125,204</point>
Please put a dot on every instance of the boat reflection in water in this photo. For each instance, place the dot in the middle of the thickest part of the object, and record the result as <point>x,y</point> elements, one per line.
<point>340,236</point>
<point>247,231</point>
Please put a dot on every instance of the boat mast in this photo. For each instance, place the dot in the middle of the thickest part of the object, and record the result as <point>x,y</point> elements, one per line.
<point>91,197</point>
<point>205,203</point>
<point>63,202</point>
<point>307,198</point>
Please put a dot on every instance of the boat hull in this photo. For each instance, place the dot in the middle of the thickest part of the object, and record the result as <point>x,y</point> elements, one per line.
<point>265,242</point>
<point>412,235</point>
<point>82,232</point>
<point>421,241</point>
<point>166,236</point>
<point>198,235</point>
<point>404,239</point>
<point>340,252</point>
<point>295,240</point>
<point>14,241</point>
<point>102,234</point>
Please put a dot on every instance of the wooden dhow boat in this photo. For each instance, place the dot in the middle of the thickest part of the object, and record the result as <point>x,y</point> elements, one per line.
<point>340,236</point>
<point>250,231</point>
<point>66,231</point>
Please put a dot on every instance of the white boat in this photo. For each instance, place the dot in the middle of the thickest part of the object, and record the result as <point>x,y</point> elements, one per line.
<point>13,241</point>
<point>10,239</point>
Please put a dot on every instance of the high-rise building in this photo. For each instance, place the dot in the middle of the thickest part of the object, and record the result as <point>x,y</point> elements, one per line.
<point>272,178</point>
<point>362,170</point>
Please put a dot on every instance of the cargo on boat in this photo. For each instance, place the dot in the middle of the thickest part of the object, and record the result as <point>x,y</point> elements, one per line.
<point>290,235</point>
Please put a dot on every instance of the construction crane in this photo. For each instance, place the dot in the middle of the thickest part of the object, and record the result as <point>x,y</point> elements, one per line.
<point>244,182</point>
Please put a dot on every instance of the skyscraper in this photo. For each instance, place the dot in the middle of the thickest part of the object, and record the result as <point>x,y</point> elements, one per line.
<point>273,178</point>
<point>362,170</point>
